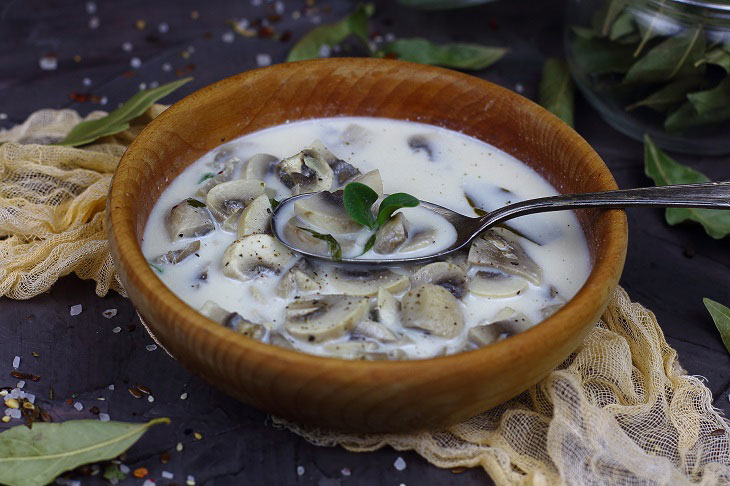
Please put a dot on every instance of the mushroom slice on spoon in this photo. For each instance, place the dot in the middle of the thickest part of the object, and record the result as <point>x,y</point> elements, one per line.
<point>433,309</point>
<point>393,233</point>
<point>324,317</point>
<point>371,179</point>
<point>227,200</point>
<point>447,275</point>
<point>326,210</point>
<point>498,248</point>
<point>255,255</point>
<point>187,219</point>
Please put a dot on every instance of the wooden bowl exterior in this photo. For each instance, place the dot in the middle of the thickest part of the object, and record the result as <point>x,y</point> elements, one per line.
<point>357,395</point>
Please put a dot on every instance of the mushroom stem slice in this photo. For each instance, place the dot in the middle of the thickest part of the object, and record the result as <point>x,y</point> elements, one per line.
<point>447,275</point>
<point>350,349</point>
<point>255,218</point>
<point>227,200</point>
<point>360,281</point>
<point>258,166</point>
<point>387,309</point>
<point>255,255</point>
<point>371,179</point>
<point>324,317</point>
<point>496,284</point>
<point>433,309</point>
<point>374,330</point>
<point>307,171</point>
<point>499,248</point>
<point>188,219</point>
<point>176,256</point>
<point>326,210</point>
<point>393,233</point>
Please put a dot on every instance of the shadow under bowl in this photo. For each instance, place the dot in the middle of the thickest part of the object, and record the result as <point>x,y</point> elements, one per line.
<point>364,396</point>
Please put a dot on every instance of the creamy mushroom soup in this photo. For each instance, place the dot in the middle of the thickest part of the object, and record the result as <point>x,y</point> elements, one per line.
<point>209,239</point>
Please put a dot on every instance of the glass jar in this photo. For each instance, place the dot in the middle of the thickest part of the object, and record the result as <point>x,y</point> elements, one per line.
<point>660,67</point>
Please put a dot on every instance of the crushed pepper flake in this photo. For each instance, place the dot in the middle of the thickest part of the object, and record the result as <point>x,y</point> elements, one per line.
<point>140,472</point>
<point>195,15</point>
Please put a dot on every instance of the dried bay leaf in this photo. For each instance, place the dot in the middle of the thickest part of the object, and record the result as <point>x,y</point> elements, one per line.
<point>454,55</point>
<point>622,26</point>
<point>664,171</point>
<point>356,24</point>
<point>118,120</point>
<point>556,89</point>
<point>686,117</point>
<point>671,95</point>
<point>721,315</point>
<point>606,15</point>
<point>601,56</point>
<point>717,98</point>
<point>674,56</point>
<point>719,56</point>
<point>30,457</point>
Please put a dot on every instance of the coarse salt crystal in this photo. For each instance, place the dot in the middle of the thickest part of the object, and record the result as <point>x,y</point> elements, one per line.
<point>109,313</point>
<point>16,362</point>
<point>399,464</point>
<point>390,37</point>
<point>300,470</point>
<point>124,468</point>
<point>20,384</point>
<point>104,100</point>
<point>167,475</point>
<point>179,447</point>
<point>324,50</point>
<point>150,399</point>
<point>76,309</point>
<point>163,27</point>
<point>30,397</point>
<point>191,480</point>
<point>142,86</point>
<point>104,417</point>
<point>111,387</point>
<point>167,67</point>
<point>151,347</point>
<point>86,81</point>
<point>117,330</point>
<point>15,413</point>
<point>184,396</point>
<point>135,62</point>
<point>228,37</point>
<point>345,471</point>
<point>263,60</point>
<point>94,23</point>
<point>154,84</point>
<point>148,482</point>
<point>48,63</point>
<point>78,406</point>
<point>3,116</point>
<point>90,8</point>
<point>519,88</point>
<point>256,3</point>
<point>279,7</point>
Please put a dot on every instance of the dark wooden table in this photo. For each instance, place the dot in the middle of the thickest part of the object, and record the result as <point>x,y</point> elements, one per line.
<point>669,269</point>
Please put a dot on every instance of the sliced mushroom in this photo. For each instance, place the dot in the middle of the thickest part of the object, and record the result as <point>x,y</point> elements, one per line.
<point>215,312</point>
<point>447,275</point>
<point>374,330</point>
<point>257,166</point>
<point>433,309</point>
<point>360,281</point>
<point>233,320</point>
<point>286,286</point>
<point>419,240</point>
<point>387,309</point>
<point>307,171</point>
<point>189,219</point>
<point>496,284</point>
<point>353,134</point>
<point>326,211</point>
<point>176,256</point>
<point>227,200</point>
<point>324,317</point>
<point>277,339</point>
<point>229,163</point>
<point>420,143</point>
<point>371,179</point>
<point>498,248</point>
<point>511,322</point>
<point>549,310</point>
<point>389,355</point>
<point>393,233</point>
<point>300,238</point>
<point>298,277</point>
<point>255,255</point>
<point>255,217</point>
<point>483,335</point>
<point>350,349</point>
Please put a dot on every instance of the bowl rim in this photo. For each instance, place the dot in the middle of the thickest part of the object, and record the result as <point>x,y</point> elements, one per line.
<point>570,318</point>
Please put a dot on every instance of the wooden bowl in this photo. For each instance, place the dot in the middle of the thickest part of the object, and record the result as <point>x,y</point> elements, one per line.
<point>360,395</point>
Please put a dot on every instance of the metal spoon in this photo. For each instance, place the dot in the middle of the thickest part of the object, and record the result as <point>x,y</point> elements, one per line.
<point>710,195</point>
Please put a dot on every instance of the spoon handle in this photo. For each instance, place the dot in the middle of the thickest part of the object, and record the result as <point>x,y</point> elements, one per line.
<point>707,195</point>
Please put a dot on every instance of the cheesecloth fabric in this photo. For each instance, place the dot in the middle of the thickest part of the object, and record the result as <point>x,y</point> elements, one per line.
<point>620,410</point>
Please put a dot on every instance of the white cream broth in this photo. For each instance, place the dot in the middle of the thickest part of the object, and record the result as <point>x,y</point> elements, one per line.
<point>441,166</point>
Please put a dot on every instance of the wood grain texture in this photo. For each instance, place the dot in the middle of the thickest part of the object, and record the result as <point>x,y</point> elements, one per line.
<point>356,395</point>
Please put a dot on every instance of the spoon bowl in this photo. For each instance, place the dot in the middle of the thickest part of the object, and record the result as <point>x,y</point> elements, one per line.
<point>709,195</point>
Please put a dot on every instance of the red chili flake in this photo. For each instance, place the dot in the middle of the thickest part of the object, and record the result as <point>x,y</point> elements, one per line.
<point>94,410</point>
<point>190,67</point>
<point>17,374</point>
<point>35,377</point>
<point>128,74</point>
<point>69,401</point>
<point>179,72</point>
<point>274,17</point>
<point>493,24</point>
<point>286,36</point>
<point>165,457</point>
<point>140,472</point>
<point>265,32</point>
<point>79,97</point>
<point>391,55</point>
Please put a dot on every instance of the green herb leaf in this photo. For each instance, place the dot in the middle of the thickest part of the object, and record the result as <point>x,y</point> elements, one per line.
<point>677,55</point>
<point>721,315</point>
<point>479,211</point>
<point>118,120</point>
<point>606,15</point>
<point>334,245</point>
<point>648,31</point>
<point>273,202</point>
<point>112,472</point>
<point>454,55</point>
<point>718,56</point>
<point>205,177</point>
<point>358,200</point>
<point>195,203</point>
<point>159,270</point>
<point>686,117</point>
<point>622,26</point>
<point>30,457</point>
<point>715,99</point>
<point>369,244</point>
<point>671,95</point>
<point>665,171</point>
<point>356,24</point>
<point>583,32</point>
<point>393,203</point>
<point>556,89</point>
<point>600,56</point>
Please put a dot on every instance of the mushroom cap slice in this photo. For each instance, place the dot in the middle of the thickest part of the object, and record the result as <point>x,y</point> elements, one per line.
<point>360,281</point>
<point>374,330</point>
<point>307,171</point>
<point>258,166</point>
<point>229,199</point>
<point>498,248</point>
<point>176,256</point>
<point>255,217</point>
<point>447,275</point>
<point>326,211</point>
<point>255,255</point>
<point>496,284</point>
<point>433,309</point>
<point>371,179</point>
<point>324,317</point>
<point>393,233</point>
<point>187,220</point>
